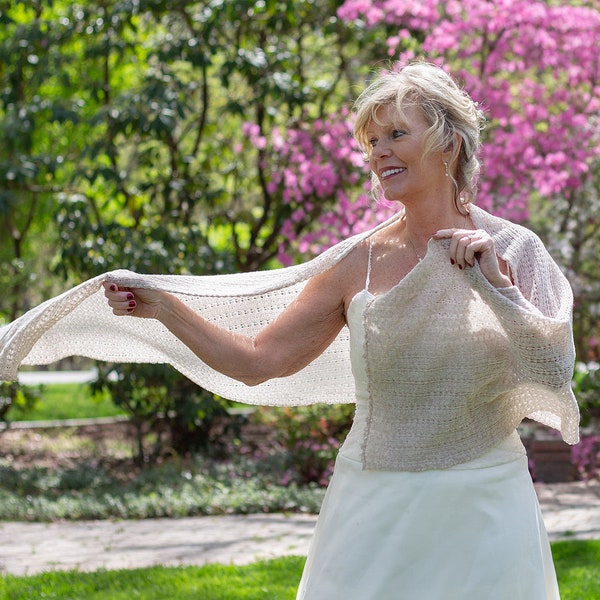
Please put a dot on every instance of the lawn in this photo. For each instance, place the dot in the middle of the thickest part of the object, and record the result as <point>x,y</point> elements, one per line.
<point>578,569</point>
<point>80,470</point>
<point>577,564</point>
<point>67,401</point>
<point>272,580</point>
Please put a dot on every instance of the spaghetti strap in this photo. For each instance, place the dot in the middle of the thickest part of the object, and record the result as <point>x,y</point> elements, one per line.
<point>368,280</point>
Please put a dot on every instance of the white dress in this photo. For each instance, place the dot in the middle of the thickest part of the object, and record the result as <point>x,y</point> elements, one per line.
<point>470,532</point>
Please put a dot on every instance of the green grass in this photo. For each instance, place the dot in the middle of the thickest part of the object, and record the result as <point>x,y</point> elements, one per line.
<point>272,580</point>
<point>578,569</point>
<point>577,566</point>
<point>67,401</point>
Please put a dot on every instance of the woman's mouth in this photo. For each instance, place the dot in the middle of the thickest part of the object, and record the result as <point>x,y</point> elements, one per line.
<point>392,171</point>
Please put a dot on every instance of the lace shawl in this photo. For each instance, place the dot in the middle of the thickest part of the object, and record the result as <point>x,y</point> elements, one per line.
<point>79,322</point>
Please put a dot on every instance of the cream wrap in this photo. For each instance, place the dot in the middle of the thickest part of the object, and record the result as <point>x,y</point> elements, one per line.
<point>80,322</point>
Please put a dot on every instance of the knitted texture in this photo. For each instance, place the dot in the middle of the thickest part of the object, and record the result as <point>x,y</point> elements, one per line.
<point>529,326</point>
<point>453,366</point>
<point>79,322</point>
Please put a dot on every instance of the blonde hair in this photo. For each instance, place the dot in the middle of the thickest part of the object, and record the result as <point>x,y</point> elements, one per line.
<point>449,110</point>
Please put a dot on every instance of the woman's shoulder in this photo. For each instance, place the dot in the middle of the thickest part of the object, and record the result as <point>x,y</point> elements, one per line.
<point>506,233</point>
<point>354,263</point>
<point>348,275</point>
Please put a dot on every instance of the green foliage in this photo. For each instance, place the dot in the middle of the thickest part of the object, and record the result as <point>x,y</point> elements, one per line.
<point>311,436</point>
<point>92,490</point>
<point>158,397</point>
<point>153,246</point>
<point>273,580</point>
<point>17,398</point>
<point>586,386</point>
<point>123,147</point>
<point>128,117</point>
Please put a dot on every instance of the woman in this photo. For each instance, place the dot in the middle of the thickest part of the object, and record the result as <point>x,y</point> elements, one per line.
<point>459,327</point>
<point>431,497</point>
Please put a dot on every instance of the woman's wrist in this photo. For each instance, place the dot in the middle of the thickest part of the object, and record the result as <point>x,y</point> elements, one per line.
<point>502,282</point>
<point>165,307</point>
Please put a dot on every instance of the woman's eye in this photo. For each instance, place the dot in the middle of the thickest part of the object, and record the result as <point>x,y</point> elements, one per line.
<point>397,133</point>
<point>372,142</point>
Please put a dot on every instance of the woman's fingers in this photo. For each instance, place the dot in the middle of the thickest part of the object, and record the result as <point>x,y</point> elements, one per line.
<point>466,245</point>
<point>121,300</point>
<point>137,302</point>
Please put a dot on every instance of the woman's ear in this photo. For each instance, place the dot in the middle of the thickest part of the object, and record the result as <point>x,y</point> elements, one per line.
<point>452,150</point>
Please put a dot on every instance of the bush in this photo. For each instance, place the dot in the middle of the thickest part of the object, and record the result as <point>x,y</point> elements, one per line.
<point>14,395</point>
<point>586,386</point>
<point>586,456</point>
<point>181,415</point>
<point>311,436</point>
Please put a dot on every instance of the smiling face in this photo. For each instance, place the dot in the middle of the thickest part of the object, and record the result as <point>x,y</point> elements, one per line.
<point>397,156</point>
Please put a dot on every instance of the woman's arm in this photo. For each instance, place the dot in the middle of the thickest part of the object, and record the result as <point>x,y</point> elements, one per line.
<point>298,335</point>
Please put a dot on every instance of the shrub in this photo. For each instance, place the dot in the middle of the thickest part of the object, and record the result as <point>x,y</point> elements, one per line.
<point>586,456</point>
<point>15,395</point>
<point>162,401</point>
<point>586,386</point>
<point>311,436</point>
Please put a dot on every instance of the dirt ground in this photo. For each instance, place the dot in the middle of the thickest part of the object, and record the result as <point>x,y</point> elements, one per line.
<point>66,446</point>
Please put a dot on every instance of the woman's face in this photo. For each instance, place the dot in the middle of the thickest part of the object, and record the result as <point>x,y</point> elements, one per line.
<point>397,150</point>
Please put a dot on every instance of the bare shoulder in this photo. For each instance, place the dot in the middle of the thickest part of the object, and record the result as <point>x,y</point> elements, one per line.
<point>345,279</point>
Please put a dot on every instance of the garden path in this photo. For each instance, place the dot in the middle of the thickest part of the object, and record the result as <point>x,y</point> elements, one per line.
<point>571,511</point>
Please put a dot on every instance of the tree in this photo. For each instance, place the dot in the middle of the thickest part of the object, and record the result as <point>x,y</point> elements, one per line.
<point>202,137</point>
<point>31,113</point>
<point>183,136</point>
<point>533,67</point>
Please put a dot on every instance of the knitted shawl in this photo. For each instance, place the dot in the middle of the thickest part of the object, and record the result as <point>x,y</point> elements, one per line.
<point>80,322</point>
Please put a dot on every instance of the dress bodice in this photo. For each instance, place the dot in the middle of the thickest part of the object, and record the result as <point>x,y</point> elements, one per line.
<point>352,445</point>
<point>367,404</point>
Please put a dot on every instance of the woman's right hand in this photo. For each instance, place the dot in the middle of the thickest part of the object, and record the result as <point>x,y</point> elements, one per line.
<point>136,302</point>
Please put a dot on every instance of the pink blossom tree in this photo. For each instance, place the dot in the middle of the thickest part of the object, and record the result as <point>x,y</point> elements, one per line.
<point>309,165</point>
<point>534,68</point>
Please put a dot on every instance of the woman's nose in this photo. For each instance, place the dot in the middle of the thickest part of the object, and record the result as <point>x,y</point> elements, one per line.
<point>380,149</point>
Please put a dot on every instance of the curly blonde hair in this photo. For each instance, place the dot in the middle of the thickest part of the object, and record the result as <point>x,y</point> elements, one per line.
<point>449,110</point>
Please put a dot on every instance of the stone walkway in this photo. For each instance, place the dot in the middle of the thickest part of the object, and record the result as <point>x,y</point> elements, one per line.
<point>571,511</point>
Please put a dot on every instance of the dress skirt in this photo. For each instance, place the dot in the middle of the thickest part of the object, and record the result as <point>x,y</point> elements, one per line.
<point>471,532</point>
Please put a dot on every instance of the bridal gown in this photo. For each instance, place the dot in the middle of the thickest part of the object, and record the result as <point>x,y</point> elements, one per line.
<point>470,532</point>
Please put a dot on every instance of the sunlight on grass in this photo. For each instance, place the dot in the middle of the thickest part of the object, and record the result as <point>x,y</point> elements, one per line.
<point>577,565</point>
<point>67,401</point>
<point>270,580</point>
<point>67,441</point>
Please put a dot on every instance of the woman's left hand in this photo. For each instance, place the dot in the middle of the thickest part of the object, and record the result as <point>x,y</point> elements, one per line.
<point>468,246</point>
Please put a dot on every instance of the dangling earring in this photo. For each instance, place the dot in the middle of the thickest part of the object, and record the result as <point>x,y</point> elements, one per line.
<point>446,167</point>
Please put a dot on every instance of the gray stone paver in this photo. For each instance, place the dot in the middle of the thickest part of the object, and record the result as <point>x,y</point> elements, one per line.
<point>571,511</point>
<point>27,548</point>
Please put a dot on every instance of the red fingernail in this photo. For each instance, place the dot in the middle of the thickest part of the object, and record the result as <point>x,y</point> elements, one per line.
<point>460,267</point>
<point>451,261</point>
<point>132,303</point>
<point>130,310</point>
<point>113,287</point>
<point>129,296</point>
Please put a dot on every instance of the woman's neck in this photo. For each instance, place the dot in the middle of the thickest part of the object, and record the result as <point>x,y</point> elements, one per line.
<point>420,225</point>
